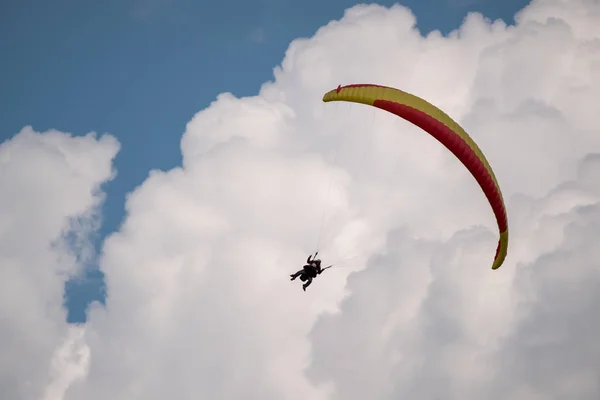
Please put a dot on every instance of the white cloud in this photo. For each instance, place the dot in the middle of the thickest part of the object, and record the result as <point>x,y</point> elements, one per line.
<point>69,363</point>
<point>200,304</point>
<point>49,184</point>
<point>460,331</point>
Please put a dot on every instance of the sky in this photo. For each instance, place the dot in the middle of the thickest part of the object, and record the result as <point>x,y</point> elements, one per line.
<point>105,67</point>
<point>177,158</point>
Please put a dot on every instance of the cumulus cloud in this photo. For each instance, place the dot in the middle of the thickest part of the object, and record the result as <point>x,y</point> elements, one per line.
<point>199,299</point>
<point>69,363</point>
<point>447,328</point>
<point>49,205</point>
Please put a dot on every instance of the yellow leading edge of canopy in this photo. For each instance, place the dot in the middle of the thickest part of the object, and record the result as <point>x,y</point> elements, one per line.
<point>502,251</point>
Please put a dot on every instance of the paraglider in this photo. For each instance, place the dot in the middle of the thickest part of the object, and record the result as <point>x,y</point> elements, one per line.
<point>439,125</point>
<point>309,271</point>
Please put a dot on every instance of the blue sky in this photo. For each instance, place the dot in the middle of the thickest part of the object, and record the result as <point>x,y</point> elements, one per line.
<point>141,69</point>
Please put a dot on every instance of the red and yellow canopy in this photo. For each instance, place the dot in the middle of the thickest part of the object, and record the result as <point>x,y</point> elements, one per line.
<point>439,125</point>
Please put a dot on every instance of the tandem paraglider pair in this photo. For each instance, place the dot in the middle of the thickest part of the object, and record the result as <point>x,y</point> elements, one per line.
<point>310,270</point>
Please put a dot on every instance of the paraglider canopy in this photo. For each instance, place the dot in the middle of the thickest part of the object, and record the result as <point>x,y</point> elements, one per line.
<point>443,128</point>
